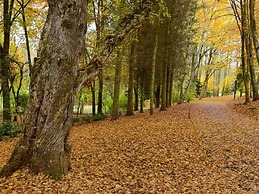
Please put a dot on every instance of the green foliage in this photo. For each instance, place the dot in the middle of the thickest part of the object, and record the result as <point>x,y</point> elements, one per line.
<point>76,119</point>
<point>23,98</point>
<point>175,96</point>
<point>108,102</point>
<point>9,130</point>
<point>190,96</point>
<point>123,103</point>
<point>108,105</point>
<point>89,118</point>
<point>198,88</point>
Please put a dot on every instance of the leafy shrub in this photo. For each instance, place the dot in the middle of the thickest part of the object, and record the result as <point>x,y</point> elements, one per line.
<point>108,102</point>
<point>108,105</point>
<point>123,103</point>
<point>86,119</point>
<point>89,118</point>
<point>9,130</point>
<point>23,98</point>
<point>190,96</point>
<point>76,120</point>
<point>99,117</point>
<point>175,96</point>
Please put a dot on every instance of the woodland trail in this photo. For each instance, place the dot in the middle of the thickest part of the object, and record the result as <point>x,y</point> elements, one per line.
<point>198,147</point>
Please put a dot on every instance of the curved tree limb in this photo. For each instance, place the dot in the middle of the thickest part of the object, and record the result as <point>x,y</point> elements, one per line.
<point>129,22</point>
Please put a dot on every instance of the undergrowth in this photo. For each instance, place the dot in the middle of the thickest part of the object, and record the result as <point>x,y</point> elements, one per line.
<point>89,118</point>
<point>8,129</point>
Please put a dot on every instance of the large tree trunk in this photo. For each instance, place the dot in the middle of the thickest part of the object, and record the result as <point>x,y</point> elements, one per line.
<point>44,145</point>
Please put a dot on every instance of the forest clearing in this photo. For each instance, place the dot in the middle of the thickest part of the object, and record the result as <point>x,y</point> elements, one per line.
<point>206,146</point>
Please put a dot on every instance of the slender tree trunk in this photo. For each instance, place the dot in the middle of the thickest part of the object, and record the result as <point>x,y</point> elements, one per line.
<point>218,82</point>
<point>192,76</point>
<point>171,87</point>
<point>205,86</point>
<point>251,68</point>
<point>116,97</point>
<point>99,23</point>
<point>22,4</point>
<point>223,89</point>
<point>100,94</point>
<point>93,98</point>
<point>235,89</point>
<point>163,92</point>
<point>182,98</point>
<point>16,94</point>
<point>136,104</point>
<point>153,69</point>
<point>79,103</point>
<point>16,99</point>
<point>158,88</point>
<point>142,94</point>
<point>253,29</point>
<point>131,80</point>
<point>195,59</point>
<point>168,85</point>
<point>5,60</point>
<point>243,41</point>
<point>170,64</point>
<point>252,38</point>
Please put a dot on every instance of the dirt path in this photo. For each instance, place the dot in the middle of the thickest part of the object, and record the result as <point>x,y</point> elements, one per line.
<point>200,147</point>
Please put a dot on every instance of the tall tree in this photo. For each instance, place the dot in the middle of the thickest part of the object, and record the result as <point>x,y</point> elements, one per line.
<point>24,24</point>
<point>93,98</point>
<point>5,59</point>
<point>165,64</point>
<point>99,18</point>
<point>252,40</point>
<point>117,82</point>
<point>153,66</point>
<point>131,79</point>
<point>242,24</point>
<point>253,28</point>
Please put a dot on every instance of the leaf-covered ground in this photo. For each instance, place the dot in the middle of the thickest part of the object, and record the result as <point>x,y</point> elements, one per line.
<point>200,147</point>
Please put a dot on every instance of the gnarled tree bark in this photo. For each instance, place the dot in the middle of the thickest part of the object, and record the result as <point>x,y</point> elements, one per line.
<point>44,146</point>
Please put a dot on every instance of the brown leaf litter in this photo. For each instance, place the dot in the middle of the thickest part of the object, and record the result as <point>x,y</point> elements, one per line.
<point>200,147</point>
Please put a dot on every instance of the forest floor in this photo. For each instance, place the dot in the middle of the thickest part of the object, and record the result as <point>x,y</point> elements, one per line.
<point>206,146</point>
